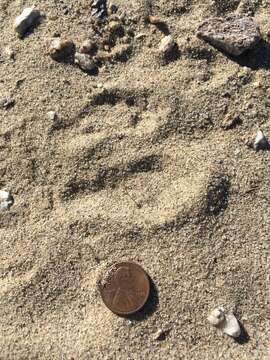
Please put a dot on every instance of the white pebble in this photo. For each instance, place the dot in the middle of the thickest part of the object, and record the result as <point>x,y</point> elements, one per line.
<point>27,19</point>
<point>261,142</point>
<point>51,115</point>
<point>6,200</point>
<point>226,322</point>
<point>166,44</point>
<point>216,317</point>
<point>231,326</point>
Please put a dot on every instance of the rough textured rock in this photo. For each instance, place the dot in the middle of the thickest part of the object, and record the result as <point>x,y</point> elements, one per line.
<point>226,322</point>
<point>233,34</point>
<point>85,62</point>
<point>27,19</point>
<point>61,49</point>
<point>167,44</point>
<point>88,47</point>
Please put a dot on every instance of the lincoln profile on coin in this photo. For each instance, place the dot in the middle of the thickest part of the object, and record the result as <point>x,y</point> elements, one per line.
<point>127,289</point>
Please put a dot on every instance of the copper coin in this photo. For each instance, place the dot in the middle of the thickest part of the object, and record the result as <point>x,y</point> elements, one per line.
<point>125,288</point>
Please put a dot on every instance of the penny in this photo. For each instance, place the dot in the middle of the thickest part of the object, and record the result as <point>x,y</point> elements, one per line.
<point>125,288</point>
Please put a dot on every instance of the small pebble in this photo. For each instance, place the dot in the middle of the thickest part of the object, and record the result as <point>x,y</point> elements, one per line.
<point>61,49</point>
<point>226,322</point>
<point>85,62</point>
<point>26,20</point>
<point>160,335</point>
<point>155,20</point>
<point>167,44</point>
<point>261,142</point>
<point>217,317</point>
<point>88,47</point>
<point>114,26</point>
<point>6,200</point>
<point>9,53</point>
<point>51,115</point>
<point>231,326</point>
<point>6,103</point>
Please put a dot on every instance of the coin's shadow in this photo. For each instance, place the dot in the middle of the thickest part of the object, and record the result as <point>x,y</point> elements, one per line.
<point>149,308</point>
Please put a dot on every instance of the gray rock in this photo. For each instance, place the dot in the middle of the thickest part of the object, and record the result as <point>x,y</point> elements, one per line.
<point>233,34</point>
<point>85,62</point>
<point>26,20</point>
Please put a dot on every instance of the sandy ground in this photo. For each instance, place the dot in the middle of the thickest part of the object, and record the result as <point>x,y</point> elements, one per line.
<point>136,167</point>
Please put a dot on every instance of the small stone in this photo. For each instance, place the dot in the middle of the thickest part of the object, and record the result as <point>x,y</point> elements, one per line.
<point>88,47</point>
<point>114,26</point>
<point>155,20</point>
<point>61,49</point>
<point>9,53</point>
<point>261,142</point>
<point>233,34</point>
<point>230,121</point>
<point>51,115</point>
<point>85,62</point>
<point>217,317</point>
<point>231,326</point>
<point>6,103</point>
<point>167,44</point>
<point>160,335</point>
<point>226,322</point>
<point>26,20</point>
<point>6,200</point>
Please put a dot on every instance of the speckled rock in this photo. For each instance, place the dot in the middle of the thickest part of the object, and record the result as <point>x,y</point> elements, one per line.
<point>233,34</point>
<point>85,62</point>
<point>167,44</point>
<point>60,49</point>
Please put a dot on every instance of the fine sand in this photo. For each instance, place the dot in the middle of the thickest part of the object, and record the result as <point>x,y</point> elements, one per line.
<point>136,166</point>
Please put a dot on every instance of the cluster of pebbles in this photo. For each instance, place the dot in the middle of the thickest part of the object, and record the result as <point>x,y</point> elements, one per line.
<point>233,35</point>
